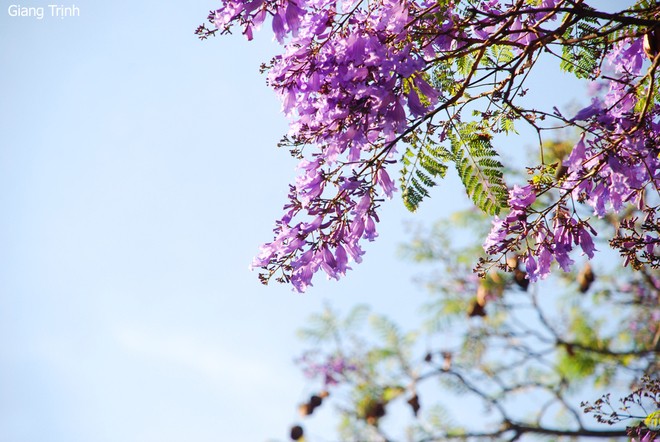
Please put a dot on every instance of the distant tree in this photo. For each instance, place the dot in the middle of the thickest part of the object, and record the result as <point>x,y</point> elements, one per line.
<point>517,359</point>
<point>436,81</point>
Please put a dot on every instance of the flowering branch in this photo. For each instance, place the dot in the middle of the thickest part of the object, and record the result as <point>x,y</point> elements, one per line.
<point>361,80</point>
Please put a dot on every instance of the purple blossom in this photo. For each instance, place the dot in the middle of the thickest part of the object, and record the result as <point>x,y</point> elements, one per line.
<point>331,370</point>
<point>531,267</point>
<point>415,106</point>
<point>341,260</point>
<point>385,182</point>
<point>521,197</point>
<point>588,112</point>
<point>351,92</point>
<point>545,258</point>
<point>627,56</point>
<point>370,229</point>
<point>577,156</point>
<point>586,243</point>
<point>278,27</point>
<point>426,89</point>
<point>496,235</point>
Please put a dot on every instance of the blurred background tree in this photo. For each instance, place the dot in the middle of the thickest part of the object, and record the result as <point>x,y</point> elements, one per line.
<point>490,359</point>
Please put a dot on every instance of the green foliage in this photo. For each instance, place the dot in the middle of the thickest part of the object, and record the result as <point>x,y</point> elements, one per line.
<point>499,55</point>
<point>506,123</point>
<point>583,59</point>
<point>443,75</point>
<point>478,167</point>
<point>326,326</point>
<point>387,330</point>
<point>590,355</point>
<point>423,162</point>
<point>464,64</point>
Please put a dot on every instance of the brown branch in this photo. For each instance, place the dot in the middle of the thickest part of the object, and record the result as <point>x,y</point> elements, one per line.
<point>521,429</point>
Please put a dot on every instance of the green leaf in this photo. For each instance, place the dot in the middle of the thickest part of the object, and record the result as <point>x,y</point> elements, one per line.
<point>583,59</point>
<point>423,163</point>
<point>478,167</point>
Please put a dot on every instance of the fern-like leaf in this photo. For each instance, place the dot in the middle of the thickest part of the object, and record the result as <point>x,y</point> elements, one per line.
<point>583,59</point>
<point>423,163</point>
<point>478,167</point>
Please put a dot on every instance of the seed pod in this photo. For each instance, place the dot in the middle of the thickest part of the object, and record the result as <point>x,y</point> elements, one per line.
<point>305,409</point>
<point>476,309</point>
<point>569,350</point>
<point>446,360</point>
<point>561,171</point>
<point>375,411</point>
<point>296,432</point>
<point>585,278</point>
<point>482,294</point>
<point>520,278</point>
<point>414,404</point>
<point>512,262</point>
<point>315,401</point>
<point>652,43</point>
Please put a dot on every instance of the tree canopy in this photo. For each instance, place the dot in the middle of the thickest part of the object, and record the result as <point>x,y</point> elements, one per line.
<point>419,86</point>
<point>385,90</point>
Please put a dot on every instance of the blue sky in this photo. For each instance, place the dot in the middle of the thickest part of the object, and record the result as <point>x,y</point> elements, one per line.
<point>138,176</point>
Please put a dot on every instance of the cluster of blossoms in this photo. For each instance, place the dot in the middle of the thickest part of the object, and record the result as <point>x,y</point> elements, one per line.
<point>341,80</point>
<point>356,78</point>
<point>332,370</point>
<point>552,242</point>
<point>615,163</point>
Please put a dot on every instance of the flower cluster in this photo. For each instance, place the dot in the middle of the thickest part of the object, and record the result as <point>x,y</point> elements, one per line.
<point>332,370</point>
<point>356,78</point>
<point>552,241</point>
<point>614,163</point>
<point>349,78</point>
<point>618,164</point>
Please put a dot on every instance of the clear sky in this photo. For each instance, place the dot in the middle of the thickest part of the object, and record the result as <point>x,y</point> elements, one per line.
<point>138,176</point>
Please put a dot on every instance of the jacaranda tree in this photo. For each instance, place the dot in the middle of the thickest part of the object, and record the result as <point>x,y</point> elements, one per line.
<point>384,88</point>
<point>375,88</point>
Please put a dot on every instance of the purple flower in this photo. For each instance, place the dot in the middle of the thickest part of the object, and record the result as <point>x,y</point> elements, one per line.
<point>586,243</point>
<point>356,228</point>
<point>341,260</point>
<point>628,60</point>
<point>496,235</point>
<point>415,106</point>
<point>521,197</point>
<point>355,251</point>
<point>301,279</point>
<point>576,157</point>
<point>332,369</point>
<point>385,182</point>
<point>531,267</point>
<point>292,15</point>
<point>370,229</point>
<point>329,263</point>
<point>586,113</point>
<point>545,258</point>
<point>352,90</point>
<point>426,89</point>
<point>278,27</point>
